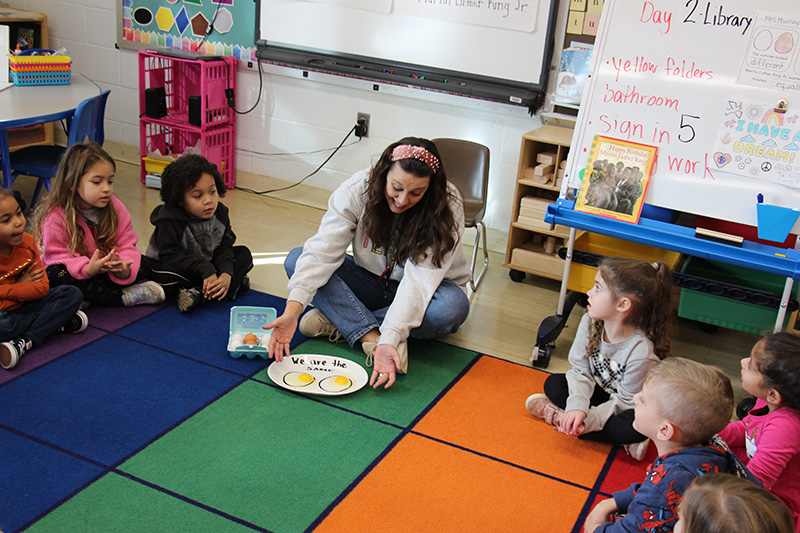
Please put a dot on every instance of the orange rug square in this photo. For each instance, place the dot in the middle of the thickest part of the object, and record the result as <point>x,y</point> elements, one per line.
<point>485,412</point>
<point>424,485</point>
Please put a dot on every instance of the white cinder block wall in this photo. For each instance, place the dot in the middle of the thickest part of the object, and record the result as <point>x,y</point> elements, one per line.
<point>296,114</point>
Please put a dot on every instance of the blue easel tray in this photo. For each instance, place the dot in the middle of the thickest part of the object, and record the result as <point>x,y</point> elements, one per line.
<point>249,319</point>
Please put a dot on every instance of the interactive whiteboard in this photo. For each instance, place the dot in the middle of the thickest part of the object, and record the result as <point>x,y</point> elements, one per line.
<point>494,49</point>
<point>701,80</point>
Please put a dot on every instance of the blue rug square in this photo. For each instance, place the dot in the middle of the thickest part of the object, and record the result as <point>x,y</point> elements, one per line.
<point>202,334</point>
<point>110,398</point>
<point>35,478</point>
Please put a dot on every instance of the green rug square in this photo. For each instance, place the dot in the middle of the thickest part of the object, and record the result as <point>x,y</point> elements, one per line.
<point>266,456</point>
<point>432,366</point>
<point>115,503</point>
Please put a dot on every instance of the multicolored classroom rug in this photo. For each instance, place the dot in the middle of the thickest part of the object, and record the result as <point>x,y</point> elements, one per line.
<point>145,423</point>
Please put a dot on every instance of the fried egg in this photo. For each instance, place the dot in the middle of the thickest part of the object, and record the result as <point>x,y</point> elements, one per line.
<point>298,379</point>
<point>335,384</point>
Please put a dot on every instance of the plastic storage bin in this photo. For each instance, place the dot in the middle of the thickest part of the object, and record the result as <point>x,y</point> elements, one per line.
<point>728,312</point>
<point>197,110</point>
<point>249,319</point>
<point>216,145</point>
<point>42,69</point>
<point>206,78</point>
<point>581,277</point>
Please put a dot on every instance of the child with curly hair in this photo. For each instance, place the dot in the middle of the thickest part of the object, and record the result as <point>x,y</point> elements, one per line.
<point>193,243</point>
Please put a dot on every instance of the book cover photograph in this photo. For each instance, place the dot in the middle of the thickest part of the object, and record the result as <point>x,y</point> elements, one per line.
<point>616,178</point>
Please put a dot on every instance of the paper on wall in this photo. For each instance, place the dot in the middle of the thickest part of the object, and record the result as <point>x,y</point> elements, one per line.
<point>772,57</point>
<point>757,141</point>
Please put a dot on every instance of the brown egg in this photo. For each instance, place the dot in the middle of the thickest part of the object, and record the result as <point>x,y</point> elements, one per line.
<point>784,43</point>
<point>250,339</point>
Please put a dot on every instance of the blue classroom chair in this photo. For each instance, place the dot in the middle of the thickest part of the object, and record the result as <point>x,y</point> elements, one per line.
<point>41,161</point>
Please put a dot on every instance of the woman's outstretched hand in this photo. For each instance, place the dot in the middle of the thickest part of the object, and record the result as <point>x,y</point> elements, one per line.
<point>283,329</point>
<point>387,363</point>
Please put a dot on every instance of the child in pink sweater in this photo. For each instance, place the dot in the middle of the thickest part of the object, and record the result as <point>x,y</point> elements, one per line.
<point>768,439</point>
<point>87,236</point>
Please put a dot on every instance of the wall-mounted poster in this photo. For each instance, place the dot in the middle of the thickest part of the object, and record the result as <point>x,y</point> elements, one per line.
<point>219,27</point>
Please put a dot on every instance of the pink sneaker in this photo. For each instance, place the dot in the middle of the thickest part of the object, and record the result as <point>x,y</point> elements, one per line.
<point>541,407</point>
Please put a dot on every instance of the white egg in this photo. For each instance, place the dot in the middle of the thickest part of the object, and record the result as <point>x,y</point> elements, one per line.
<point>298,379</point>
<point>335,384</point>
<point>763,40</point>
<point>236,341</point>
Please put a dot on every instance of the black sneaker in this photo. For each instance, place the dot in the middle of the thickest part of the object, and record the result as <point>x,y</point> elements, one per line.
<point>76,323</point>
<point>245,285</point>
<point>189,299</point>
<point>11,351</point>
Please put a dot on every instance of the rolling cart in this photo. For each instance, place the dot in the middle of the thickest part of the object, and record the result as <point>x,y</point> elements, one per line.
<point>750,302</point>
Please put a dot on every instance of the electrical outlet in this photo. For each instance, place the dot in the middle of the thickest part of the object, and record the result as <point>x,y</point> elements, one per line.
<point>362,125</point>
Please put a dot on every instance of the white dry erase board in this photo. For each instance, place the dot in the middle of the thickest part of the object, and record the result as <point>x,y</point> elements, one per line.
<point>700,80</point>
<point>493,49</point>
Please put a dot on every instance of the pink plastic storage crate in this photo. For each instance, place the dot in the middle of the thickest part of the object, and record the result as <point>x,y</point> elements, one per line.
<point>216,145</point>
<point>182,78</point>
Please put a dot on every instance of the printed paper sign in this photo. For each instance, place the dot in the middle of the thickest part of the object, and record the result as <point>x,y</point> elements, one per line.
<point>772,57</point>
<point>517,15</point>
<point>757,141</point>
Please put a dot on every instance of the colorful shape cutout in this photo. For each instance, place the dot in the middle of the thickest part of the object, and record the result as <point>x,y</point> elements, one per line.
<point>164,18</point>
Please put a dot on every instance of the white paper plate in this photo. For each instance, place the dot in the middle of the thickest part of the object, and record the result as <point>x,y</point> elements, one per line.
<point>318,374</point>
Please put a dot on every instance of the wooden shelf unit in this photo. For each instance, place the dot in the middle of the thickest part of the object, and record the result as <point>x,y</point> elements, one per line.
<point>12,17</point>
<point>533,248</point>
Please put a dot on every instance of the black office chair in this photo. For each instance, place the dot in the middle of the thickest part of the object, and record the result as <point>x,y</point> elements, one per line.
<point>41,161</point>
<point>467,165</point>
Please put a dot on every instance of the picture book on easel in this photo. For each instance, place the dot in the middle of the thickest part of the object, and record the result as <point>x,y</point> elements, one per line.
<point>616,179</point>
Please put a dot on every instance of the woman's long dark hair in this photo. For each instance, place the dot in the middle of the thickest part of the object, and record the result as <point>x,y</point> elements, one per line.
<point>428,226</point>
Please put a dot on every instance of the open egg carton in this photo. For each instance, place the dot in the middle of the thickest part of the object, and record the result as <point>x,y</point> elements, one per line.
<point>246,335</point>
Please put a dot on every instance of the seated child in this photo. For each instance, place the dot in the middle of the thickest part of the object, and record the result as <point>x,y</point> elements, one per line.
<point>624,333</point>
<point>193,243</point>
<point>768,439</point>
<point>29,309</point>
<point>681,407</point>
<point>721,503</point>
<point>87,236</point>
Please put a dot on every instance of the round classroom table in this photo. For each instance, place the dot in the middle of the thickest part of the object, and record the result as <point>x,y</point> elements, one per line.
<point>28,105</point>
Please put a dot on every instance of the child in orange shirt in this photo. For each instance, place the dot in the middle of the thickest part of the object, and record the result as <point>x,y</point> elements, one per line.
<point>29,309</point>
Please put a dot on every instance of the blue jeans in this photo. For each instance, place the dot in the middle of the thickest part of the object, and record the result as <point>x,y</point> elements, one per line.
<point>37,319</point>
<point>355,305</point>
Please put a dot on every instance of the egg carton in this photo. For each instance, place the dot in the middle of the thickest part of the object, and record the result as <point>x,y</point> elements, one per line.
<point>246,320</point>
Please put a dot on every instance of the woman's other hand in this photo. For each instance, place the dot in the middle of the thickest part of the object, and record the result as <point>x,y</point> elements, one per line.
<point>386,362</point>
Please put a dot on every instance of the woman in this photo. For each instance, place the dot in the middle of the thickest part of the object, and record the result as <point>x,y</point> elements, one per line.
<point>407,275</point>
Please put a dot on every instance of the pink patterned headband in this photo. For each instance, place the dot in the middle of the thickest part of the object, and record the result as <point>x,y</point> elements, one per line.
<point>407,151</point>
